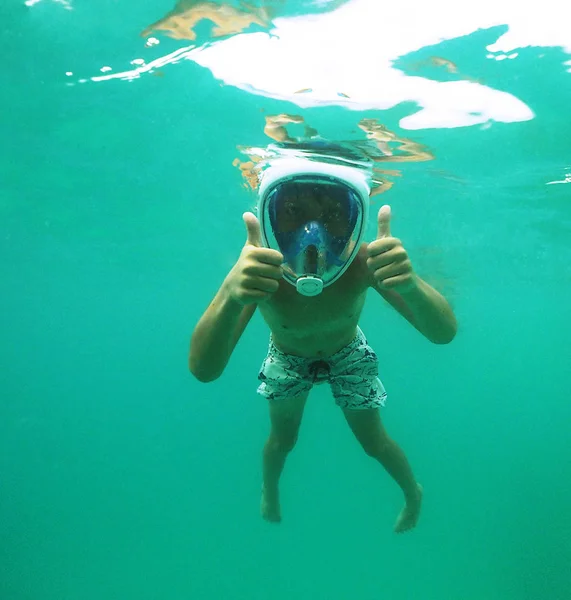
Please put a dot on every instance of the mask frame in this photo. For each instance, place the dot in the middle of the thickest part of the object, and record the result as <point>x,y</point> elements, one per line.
<point>352,182</point>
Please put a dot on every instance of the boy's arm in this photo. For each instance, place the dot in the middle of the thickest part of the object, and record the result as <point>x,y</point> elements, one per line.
<point>424,308</point>
<point>216,335</point>
<point>254,278</point>
<point>392,275</point>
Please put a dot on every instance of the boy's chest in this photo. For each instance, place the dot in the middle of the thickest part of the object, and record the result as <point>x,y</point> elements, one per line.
<point>341,303</point>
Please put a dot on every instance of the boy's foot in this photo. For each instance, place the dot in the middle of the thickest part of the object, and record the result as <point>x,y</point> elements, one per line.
<point>409,514</point>
<point>270,505</point>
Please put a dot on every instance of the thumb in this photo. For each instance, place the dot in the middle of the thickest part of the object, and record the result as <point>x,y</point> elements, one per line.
<point>384,222</point>
<point>253,229</point>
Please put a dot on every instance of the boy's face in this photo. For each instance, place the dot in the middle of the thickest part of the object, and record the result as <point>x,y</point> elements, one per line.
<point>306,203</point>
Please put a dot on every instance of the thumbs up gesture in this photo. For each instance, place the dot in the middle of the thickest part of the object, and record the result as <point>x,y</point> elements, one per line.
<point>255,276</point>
<point>387,259</point>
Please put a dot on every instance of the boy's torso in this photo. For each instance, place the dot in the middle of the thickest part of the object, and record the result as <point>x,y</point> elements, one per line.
<point>321,325</point>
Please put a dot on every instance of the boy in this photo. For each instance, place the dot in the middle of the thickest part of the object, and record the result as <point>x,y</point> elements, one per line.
<point>305,266</point>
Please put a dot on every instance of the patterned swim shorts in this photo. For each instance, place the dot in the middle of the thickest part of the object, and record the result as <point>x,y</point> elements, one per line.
<point>352,373</point>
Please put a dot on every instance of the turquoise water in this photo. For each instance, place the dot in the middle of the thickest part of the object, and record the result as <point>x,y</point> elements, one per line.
<point>120,215</point>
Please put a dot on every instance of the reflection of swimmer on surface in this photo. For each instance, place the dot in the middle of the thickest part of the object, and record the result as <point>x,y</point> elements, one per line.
<point>379,147</point>
<point>382,137</point>
<point>276,127</point>
<point>180,22</point>
<point>249,172</point>
<point>441,63</point>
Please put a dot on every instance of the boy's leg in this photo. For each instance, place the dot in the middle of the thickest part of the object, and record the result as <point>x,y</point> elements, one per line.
<point>285,419</point>
<point>368,428</point>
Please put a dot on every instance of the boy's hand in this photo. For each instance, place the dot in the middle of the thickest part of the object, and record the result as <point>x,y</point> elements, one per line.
<point>255,276</point>
<point>387,260</point>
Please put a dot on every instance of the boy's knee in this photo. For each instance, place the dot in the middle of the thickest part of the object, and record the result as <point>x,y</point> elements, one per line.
<point>282,443</point>
<point>377,448</point>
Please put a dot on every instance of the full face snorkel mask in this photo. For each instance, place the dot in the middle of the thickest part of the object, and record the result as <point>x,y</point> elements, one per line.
<point>315,214</point>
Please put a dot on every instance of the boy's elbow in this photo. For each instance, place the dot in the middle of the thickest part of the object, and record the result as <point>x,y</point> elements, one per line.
<point>442,341</point>
<point>204,377</point>
<point>201,375</point>
<point>445,337</point>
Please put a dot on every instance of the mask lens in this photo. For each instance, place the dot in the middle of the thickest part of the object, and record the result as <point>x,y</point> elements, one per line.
<point>315,221</point>
<point>293,204</point>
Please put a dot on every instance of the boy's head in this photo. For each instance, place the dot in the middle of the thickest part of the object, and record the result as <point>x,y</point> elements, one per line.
<point>305,200</point>
<point>315,214</point>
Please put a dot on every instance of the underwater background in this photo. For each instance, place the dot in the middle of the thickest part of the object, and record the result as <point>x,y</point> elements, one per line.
<point>129,134</point>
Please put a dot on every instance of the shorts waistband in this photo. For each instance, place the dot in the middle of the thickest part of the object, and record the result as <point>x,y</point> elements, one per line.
<point>359,335</point>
